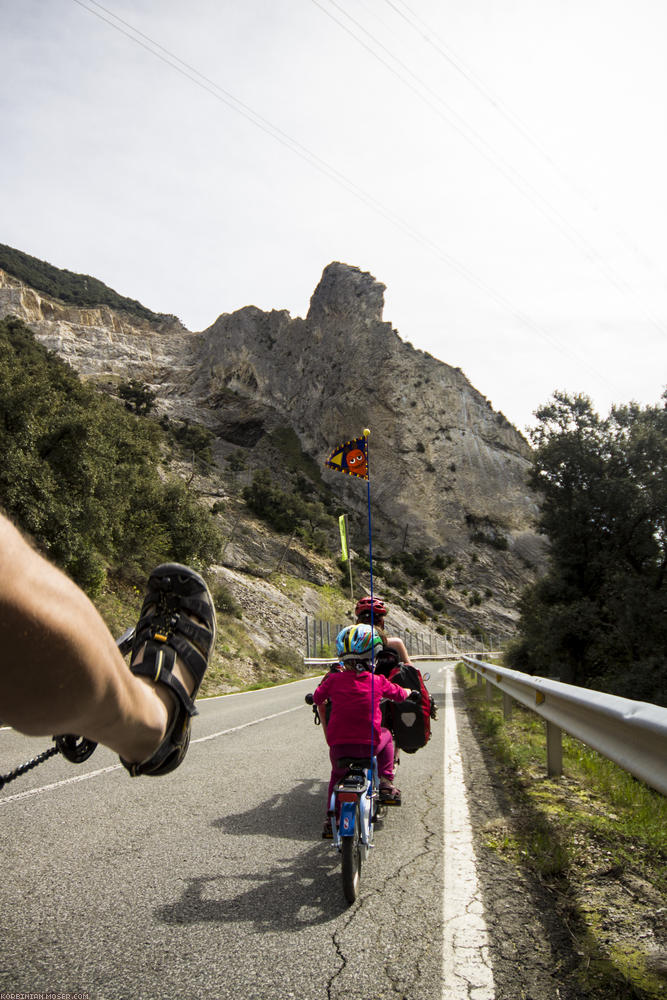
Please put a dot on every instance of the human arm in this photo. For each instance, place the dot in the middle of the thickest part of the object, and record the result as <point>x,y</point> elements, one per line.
<point>322,712</point>
<point>61,671</point>
<point>399,647</point>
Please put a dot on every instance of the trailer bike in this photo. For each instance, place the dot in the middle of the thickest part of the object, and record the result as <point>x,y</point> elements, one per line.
<point>354,810</point>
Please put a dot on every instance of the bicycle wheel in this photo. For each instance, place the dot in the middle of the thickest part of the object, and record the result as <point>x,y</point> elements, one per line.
<point>351,862</point>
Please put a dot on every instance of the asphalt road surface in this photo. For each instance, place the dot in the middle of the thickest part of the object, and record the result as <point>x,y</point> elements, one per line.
<point>214,882</point>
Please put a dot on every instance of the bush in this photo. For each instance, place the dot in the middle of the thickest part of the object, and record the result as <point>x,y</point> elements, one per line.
<point>286,658</point>
<point>224,600</point>
<point>194,439</point>
<point>138,397</point>
<point>80,473</point>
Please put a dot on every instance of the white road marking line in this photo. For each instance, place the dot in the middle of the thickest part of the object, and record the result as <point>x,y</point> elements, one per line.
<point>116,767</point>
<point>466,966</point>
<point>237,694</point>
<point>255,722</point>
<point>59,784</point>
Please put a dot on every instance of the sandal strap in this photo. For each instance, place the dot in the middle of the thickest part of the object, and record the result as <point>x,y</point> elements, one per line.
<point>174,745</point>
<point>179,622</point>
<point>185,636</point>
<point>157,665</point>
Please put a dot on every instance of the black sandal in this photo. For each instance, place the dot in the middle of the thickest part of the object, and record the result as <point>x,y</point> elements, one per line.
<point>389,794</point>
<point>165,629</point>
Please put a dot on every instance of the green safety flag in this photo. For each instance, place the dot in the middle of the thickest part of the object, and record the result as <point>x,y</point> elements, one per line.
<point>342,524</point>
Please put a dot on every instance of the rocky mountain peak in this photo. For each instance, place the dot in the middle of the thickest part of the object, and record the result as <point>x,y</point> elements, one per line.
<point>344,292</point>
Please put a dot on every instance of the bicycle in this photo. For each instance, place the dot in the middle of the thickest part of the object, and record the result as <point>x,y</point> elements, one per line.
<point>354,809</point>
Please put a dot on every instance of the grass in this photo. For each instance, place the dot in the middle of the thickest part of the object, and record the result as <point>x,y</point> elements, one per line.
<point>596,838</point>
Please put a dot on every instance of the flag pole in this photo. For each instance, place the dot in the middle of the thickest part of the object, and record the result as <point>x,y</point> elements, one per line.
<point>349,566</point>
<point>370,529</point>
<point>370,562</point>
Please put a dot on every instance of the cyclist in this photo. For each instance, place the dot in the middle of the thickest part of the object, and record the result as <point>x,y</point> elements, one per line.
<point>374,608</point>
<point>356,719</point>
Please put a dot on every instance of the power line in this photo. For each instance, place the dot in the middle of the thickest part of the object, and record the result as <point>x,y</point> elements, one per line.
<point>513,176</point>
<point>430,37</point>
<point>227,98</point>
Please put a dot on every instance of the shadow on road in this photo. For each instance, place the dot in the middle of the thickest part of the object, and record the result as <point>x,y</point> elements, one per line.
<point>285,894</point>
<point>295,815</point>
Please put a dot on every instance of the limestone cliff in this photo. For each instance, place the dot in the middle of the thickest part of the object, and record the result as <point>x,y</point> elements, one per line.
<point>448,472</point>
<point>443,460</point>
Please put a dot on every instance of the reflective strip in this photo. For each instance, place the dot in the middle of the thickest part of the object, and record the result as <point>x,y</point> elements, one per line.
<point>158,663</point>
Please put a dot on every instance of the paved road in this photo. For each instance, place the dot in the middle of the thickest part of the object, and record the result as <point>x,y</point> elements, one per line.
<point>213,882</point>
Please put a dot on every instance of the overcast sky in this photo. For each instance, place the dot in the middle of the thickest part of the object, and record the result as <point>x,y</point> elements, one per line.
<point>500,165</point>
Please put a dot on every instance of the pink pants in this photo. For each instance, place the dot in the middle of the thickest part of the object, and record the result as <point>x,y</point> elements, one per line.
<point>383,750</point>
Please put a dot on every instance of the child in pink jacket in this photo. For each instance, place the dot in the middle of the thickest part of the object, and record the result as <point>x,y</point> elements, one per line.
<point>355,722</point>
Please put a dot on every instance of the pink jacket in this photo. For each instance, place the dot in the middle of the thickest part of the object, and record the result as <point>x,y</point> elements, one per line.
<point>350,697</point>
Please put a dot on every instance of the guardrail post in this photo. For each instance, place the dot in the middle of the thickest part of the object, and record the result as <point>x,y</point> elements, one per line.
<point>489,691</point>
<point>507,706</point>
<point>480,679</point>
<point>554,750</point>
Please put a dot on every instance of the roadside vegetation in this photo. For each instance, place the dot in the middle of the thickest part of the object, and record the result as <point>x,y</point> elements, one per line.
<point>85,478</point>
<point>598,617</point>
<point>597,840</point>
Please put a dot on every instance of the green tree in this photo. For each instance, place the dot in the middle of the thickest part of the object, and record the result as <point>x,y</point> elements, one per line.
<point>138,397</point>
<point>81,474</point>
<point>599,615</point>
<point>286,511</point>
<point>80,289</point>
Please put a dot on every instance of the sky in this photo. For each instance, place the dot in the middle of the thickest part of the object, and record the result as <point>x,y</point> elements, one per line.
<point>499,165</point>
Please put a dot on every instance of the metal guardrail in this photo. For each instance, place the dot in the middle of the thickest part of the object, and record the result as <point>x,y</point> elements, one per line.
<point>320,635</point>
<point>633,734</point>
<point>315,661</point>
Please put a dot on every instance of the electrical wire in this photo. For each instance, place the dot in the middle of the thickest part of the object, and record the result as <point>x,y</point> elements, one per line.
<point>232,102</point>
<point>430,37</point>
<point>510,173</point>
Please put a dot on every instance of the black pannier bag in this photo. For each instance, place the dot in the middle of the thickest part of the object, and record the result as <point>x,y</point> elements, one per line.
<point>409,720</point>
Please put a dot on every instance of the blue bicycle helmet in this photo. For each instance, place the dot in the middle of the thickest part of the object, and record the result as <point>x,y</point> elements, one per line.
<point>357,642</point>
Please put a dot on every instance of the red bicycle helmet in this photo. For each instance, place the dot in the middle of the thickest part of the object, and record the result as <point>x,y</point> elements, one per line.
<point>370,605</point>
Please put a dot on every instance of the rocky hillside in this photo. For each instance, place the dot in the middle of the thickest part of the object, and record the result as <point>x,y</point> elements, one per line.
<point>448,472</point>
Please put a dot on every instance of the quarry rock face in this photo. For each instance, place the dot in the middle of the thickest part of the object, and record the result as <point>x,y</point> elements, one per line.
<point>105,344</point>
<point>447,470</point>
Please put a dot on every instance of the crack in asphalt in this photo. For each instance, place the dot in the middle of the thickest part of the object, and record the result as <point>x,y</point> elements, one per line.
<point>430,840</point>
<point>343,961</point>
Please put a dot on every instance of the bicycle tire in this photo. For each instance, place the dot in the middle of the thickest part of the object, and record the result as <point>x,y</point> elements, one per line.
<point>351,862</point>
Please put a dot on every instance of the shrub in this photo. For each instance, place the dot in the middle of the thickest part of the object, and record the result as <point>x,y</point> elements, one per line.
<point>224,600</point>
<point>80,473</point>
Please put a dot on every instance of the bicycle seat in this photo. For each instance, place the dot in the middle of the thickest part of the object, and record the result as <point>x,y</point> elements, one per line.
<point>354,763</point>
